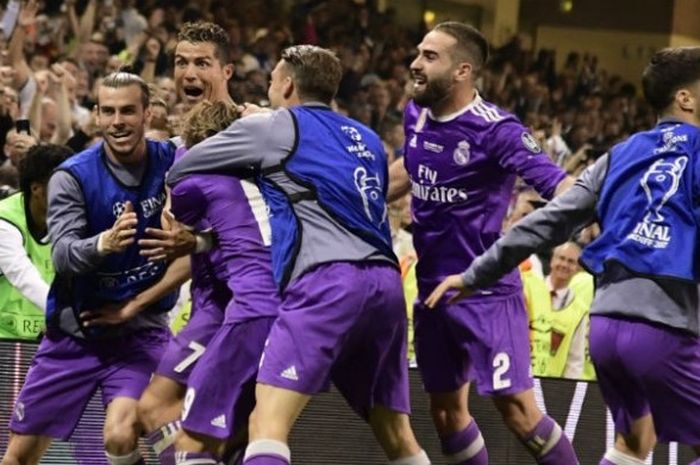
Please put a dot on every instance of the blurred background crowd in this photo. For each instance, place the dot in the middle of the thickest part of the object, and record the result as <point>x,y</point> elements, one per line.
<point>53,55</point>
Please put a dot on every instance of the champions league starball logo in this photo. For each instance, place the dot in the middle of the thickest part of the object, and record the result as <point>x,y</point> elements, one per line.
<point>118,209</point>
<point>461,153</point>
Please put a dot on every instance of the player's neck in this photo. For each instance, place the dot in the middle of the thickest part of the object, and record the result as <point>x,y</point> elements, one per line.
<point>454,102</point>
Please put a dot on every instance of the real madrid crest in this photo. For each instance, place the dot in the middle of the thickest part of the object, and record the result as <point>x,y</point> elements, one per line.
<point>461,153</point>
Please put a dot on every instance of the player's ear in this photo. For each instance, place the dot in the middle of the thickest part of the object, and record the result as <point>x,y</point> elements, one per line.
<point>289,87</point>
<point>685,100</point>
<point>464,71</point>
<point>228,70</point>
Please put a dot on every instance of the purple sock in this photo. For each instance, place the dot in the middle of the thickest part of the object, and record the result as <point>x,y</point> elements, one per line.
<point>162,441</point>
<point>196,458</point>
<point>549,445</point>
<point>465,447</point>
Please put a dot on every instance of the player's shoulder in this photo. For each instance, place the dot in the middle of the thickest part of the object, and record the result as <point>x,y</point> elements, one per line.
<point>491,115</point>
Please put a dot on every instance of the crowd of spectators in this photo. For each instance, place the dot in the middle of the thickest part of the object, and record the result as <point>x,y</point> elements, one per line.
<point>54,54</point>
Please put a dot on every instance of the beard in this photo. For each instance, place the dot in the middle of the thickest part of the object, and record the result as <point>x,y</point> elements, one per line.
<point>436,90</point>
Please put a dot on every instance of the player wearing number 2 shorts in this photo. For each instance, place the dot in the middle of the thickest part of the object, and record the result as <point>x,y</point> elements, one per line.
<point>462,157</point>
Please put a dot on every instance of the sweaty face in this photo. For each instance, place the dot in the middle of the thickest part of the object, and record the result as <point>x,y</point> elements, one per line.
<point>432,69</point>
<point>122,118</point>
<point>199,75</point>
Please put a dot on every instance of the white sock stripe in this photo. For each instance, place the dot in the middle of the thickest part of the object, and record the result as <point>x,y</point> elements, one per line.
<point>127,459</point>
<point>168,433</point>
<point>268,446</point>
<point>197,462</point>
<point>619,458</point>
<point>181,459</point>
<point>465,454</point>
<point>552,441</point>
<point>421,458</point>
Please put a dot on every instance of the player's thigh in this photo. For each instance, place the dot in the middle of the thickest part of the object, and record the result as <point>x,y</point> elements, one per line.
<point>673,386</point>
<point>130,370</point>
<point>64,372</point>
<point>188,346</point>
<point>441,353</point>
<point>221,390</point>
<point>276,411</point>
<point>319,309</point>
<point>25,449</point>
<point>372,367</point>
<point>161,402</point>
<point>617,380</point>
<point>496,335</point>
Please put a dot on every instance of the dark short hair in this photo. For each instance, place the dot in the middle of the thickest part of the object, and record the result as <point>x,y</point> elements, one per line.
<point>123,79</point>
<point>668,71</point>
<point>203,31</point>
<point>316,71</point>
<point>471,44</point>
<point>39,163</point>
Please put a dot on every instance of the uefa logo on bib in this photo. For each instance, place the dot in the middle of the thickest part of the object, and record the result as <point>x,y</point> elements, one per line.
<point>461,153</point>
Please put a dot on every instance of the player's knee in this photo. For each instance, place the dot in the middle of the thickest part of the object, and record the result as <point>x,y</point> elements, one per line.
<point>10,459</point>
<point>149,412</point>
<point>449,414</point>
<point>394,433</point>
<point>519,415</point>
<point>120,437</point>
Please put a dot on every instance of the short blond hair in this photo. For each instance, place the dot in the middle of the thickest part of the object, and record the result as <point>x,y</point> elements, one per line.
<point>206,119</point>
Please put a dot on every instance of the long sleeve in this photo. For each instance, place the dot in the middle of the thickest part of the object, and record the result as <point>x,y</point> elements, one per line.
<point>73,251</point>
<point>542,229</point>
<point>19,270</point>
<point>251,143</point>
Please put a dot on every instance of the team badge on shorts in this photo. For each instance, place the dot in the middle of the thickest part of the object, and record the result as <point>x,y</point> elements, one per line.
<point>530,143</point>
<point>461,153</point>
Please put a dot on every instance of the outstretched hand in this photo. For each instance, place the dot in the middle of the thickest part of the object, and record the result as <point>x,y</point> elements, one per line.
<point>451,282</point>
<point>110,314</point>
<point>172,242</point>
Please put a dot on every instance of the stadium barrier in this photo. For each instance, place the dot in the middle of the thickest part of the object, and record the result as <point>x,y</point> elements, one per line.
<point>329,433</point>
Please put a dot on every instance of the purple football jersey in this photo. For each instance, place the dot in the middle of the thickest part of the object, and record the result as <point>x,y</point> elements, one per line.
<point>237,215</point>
<point>463,168</point>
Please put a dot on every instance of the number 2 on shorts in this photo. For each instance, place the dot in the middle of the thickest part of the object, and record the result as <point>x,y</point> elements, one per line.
<point>501,363</point>
<point>197,351</point>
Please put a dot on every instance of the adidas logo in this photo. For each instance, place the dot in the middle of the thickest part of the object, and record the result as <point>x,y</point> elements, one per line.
<point>220,421</point>
<point>290,373</point>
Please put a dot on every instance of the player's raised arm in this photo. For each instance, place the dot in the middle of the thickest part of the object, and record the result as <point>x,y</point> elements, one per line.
<point>549,226</point>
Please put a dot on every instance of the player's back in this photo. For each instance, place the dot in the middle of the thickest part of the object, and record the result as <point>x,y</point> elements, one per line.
<point>235,212</point>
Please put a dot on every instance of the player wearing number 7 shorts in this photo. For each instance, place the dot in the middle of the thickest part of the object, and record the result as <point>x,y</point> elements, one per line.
<point>221,387</point>
<point>462,157</point>
<point>233,285</point>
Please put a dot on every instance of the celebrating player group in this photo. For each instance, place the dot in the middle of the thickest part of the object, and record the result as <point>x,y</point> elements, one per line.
<point>279,217</point>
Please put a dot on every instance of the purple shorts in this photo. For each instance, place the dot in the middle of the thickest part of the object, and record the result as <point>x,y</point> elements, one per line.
<point>221,390</point>
<point>648,368</point>
<point>345,323</point>
<point>485,340</point>
<point>187,346</point>
<point>66,372</point>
